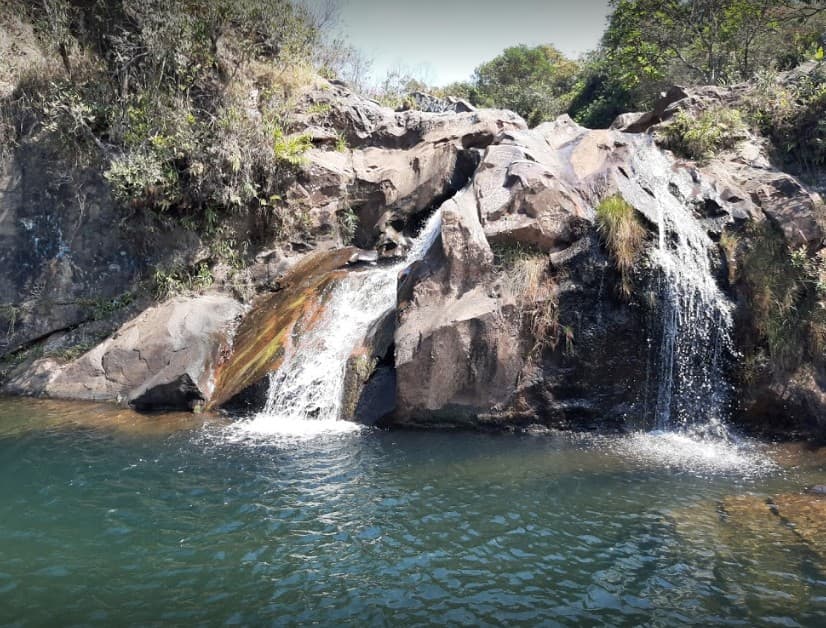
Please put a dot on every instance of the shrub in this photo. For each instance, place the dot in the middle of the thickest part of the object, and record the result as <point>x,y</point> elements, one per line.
<point>786,291</point>
<point>179,280</point>
<point>143,178</point>
<point>793,117</point>
<point>623,234</point>
<point>703,136</point>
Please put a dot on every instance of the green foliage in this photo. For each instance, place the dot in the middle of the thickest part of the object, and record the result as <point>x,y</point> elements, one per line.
<point>787,298</point>
<point>603,91</point>
<point>320,109</point>
<point>458,89</point>
<point>143,178</point>
<point>793,117</point>
<point>157,95</point>
<point>348,222</point>
<point>534,82</point>
<point>623,234</point>
<point>341,143</point>
<point>719,41</point>
<point>167,283</point>
<point>650,45</point>
<point>703,136</point>
<point>103,308</point>
<point>290,149</point>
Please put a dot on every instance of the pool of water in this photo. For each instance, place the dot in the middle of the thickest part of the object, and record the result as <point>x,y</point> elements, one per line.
<point>109,518</point>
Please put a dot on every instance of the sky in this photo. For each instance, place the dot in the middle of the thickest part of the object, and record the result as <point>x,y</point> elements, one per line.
<point>444,40</point>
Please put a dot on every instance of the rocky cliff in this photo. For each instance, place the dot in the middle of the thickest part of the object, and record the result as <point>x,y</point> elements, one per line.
<point>523,311</point>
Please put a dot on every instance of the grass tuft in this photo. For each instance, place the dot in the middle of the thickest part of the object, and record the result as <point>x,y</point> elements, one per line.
<point>623,234</point>
<point>527,275</point>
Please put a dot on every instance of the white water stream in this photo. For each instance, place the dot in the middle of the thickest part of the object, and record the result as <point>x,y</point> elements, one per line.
<point>305,393</point>
<point>689,391</point>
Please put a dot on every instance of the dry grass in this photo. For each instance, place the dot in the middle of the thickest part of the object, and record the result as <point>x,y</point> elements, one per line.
<point>527,276</point>
<point>729,244</point>
<point>623,234</point>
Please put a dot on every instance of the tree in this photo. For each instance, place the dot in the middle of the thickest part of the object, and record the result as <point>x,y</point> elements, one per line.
<point>534,82</point>
<point>710,41</point>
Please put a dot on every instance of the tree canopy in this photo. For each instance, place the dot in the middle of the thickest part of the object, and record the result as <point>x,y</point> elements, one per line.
<point>534,82</point>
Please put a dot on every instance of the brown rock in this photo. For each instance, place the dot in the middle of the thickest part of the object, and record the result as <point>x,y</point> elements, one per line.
<point>163,359</point>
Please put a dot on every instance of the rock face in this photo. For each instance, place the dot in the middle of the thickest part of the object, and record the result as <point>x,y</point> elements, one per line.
<point>267,329</point>
<point>771,399</point>
<point>395,166</point>
<point>515,316</point>
<point>548,340</point>
<point>457,354</point>
<point>163,359</point>
<point>73,256</point>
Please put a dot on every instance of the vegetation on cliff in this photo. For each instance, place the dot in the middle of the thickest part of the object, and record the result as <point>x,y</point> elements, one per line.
<point>182,106</point>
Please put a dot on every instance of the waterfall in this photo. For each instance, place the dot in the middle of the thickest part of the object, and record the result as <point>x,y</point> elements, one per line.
<point>696,321</point>
<point>694,316</point>
<point>305,393</point>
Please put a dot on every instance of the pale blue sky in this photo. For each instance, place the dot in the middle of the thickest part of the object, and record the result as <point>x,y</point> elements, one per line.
<point>446,39</point>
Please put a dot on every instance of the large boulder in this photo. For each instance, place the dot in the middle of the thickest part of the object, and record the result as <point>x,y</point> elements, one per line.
<point>163,359</point>
<point>458,354</point>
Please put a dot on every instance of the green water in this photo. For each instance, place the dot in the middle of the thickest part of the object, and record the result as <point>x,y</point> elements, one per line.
<point>111,519</point>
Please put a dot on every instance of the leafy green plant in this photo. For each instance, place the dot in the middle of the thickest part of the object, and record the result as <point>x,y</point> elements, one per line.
<point>703,136</point>
<point>319,109</point>
<point>290,149</point>
<point>341,142</point>
<point>103,308</point>
<point>143,178</point>
<point>623,234</point>
<point>348,222</point>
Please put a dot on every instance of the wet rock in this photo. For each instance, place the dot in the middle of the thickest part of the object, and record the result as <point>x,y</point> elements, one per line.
<point>267,329</point>
<point>471,346</point>
<point>378,397</point>
<point>363,365</point>
<point>805,515</point>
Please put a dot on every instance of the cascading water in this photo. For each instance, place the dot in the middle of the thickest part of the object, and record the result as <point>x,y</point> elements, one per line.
<point>695,317</point>
<point>305,393</point>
